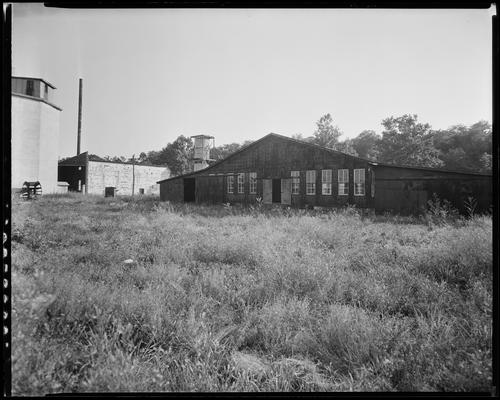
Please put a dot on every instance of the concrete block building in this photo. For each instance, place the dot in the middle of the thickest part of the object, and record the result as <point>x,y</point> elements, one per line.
<point>91,175</point>
<point>35,133</point>
<point>281,170</point>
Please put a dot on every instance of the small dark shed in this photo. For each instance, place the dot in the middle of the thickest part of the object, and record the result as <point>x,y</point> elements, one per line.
<point>280,170</point>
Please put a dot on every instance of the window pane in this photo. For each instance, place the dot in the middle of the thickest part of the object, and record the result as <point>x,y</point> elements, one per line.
<point>253,182</point>
<point>295,181</point>
<point>359,182</point>
<point>241,183</point>
<point>343,183</point>
<point>326,180</point>
<point>311,182</point>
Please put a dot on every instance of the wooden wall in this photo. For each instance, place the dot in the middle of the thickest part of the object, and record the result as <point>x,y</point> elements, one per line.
<point>210,189</point>
<point>407,190</point>
<point>275,158</point>
<point>172,190</point>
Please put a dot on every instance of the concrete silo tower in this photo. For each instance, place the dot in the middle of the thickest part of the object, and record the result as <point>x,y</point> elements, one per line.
<point>35,133</point>
<point>202,145</point>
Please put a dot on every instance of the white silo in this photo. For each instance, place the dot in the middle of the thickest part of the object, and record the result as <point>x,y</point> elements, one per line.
<point>35,133</point>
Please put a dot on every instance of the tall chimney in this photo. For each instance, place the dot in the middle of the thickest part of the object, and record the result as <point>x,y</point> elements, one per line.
<point>79,118</point>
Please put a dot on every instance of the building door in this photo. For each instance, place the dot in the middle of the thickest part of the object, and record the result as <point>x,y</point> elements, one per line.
<point>109,191</point>
<point>267,191</point>
<point>189,189</point>
<point>276,190</point>
<point>286,191</point>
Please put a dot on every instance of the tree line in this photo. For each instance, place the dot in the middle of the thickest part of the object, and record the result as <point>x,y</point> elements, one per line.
<point>406,141</point>
<point>403,141</point>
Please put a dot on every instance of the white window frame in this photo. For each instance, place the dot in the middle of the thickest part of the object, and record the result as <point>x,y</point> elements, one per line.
<point>252,178</point>
<point>295,182</point>
<point>326,182</point>
<point>359,182</point>
<point>241,183</point>
<point>311,182</point>
<point>343,182</point>
<point>230,184</point>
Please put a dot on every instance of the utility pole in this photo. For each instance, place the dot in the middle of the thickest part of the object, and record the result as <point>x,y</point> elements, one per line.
<point>79,117</point>
<point>133,173</point>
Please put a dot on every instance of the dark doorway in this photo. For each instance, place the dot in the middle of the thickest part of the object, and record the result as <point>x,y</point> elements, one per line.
<point>72,174</point>
<point>109,191</point>
<point>276,190</point>
<point>189,189</point>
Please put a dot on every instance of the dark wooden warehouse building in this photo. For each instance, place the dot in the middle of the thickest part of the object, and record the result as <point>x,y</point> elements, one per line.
<point>286,171</point>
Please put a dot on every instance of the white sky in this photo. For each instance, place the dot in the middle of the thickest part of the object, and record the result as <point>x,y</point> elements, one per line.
<point>151,75</point>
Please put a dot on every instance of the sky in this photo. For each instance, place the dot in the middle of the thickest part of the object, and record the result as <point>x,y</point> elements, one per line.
<point>239,74</point>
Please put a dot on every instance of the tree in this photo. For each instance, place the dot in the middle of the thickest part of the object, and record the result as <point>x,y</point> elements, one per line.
<point>299,136</point>
<point>408,142</point>
<point>366,144</point>
<point>220,152</point>
<point>486,162</point>
<point>465,148</point>
<point>346,147</point>
<point>119,159</point>
<point>326,133</point>
<point>153,157</point>
<point>142,158</point>
<point>95,157</point>
<point>246,143</point>
<point>179,155</point>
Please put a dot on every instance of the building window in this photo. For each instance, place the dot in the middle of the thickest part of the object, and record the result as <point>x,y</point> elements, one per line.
<point>326,181</point>
<point>311,182</point>
<point>241,183</point>
<point>230,183</point>
<point>29,87</point>
<point>295,181</point>
<point>359,182</point>
<point>141,191</point>
<point>253,182</point>
<point>343,182</point>
<point>46,94</point>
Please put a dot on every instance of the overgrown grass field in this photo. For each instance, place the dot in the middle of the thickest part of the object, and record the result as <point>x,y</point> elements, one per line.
<point>229,299</point>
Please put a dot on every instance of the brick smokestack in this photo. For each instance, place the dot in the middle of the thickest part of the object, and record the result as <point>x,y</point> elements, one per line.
<point>79,117</point>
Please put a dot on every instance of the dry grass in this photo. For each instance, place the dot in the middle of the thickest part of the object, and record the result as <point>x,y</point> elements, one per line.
<point>234,299</point>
